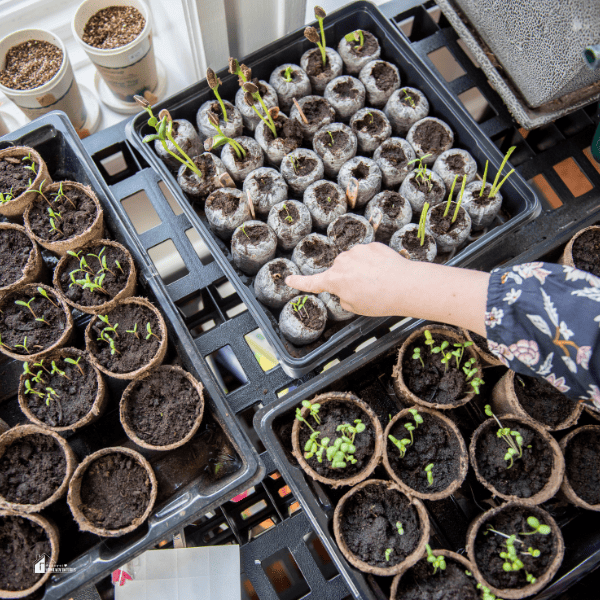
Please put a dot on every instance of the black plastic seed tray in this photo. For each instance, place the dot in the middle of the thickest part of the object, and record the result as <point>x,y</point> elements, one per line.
<point>520,205</point>
<point>218,463</point>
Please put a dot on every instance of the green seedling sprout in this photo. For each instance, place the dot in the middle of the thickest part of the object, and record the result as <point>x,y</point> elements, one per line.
<point>399,528</point>
<point>289,217</point>
<point>213,83</point>
<point>437,562</point>
<point>429,341</point>
<point>39,377</point>
<point>388,553</point>
<point>53,227</point>
<point>40,191</point>
<point>343,449</point>
<point>484,178</point>
<point>41,365</point>
<point>219,140</point>
<point>294,162</point>
<point>30,167</point>
<point>422,222</point>
<point>312,35</point>
<point>402,444</point>
<point>417,355</point>
<point>3,344</point>
<point>428,472</point>
<point>55,369</point>
<point>331,136</point>
<point>75,363</point>
<point>496,186</point>
<point>537,527</point>
<point>54,214</point>
<point>45,294</point>
<point>6,196</point>
<point>23,345</point>
<point>416,416</point>
<point>27,370</point>
<point>513,438</point>
<point>150,332</point>
<point>104,337</point>
<point>299,305</point>
<point>313,412</point>
<point>29,389</point>
<point>27,305</point>
<point>251,96</point>
<point>60,194</point>
<point>486,594</point>
<point>421,168</point>
<point>460,198</point>
<point>287,74</point>
<point>52,395</point>
<point>134,330</point>
<point>450,196</point>
<point>408,98</point>
<point>356,36</point>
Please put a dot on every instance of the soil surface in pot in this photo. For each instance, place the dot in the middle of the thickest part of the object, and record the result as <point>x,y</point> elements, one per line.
<point>528,475</point>
<point>77,213</point>
<point>215,108</point>
<point>426,187</point>
<point>221,201</point>
<point>30,64</point>
<point>368,525</point>
<point>346,89</point>
<point>392,204</point>
<point>456,163</point>
<point>479,200</point>
<point>15,176</point>
<point>393,154</point>
<point>586,249</point>
<point>21,542</point>
<point>412,243</point>
<point>435,443</point>
<point>336,140</point>
<point>310,316</point>
<point>206,166</point>
<point>408,100</point>
<point>113,27</point>
<point>368,48</point>
<point>443,225</point>
<point>347,232</point>
<point>332,414</point>
<point>132,351</point>
<point>32,469</point>
<point>434,382</point>
<point>115,278</point>
<point>288,131</point>
<point>542,401</point>
<point>581,460</point>
<point>252,235</point>
<point>488,547</point>
<point>421,583</point>
<point>15,250</point>
<point>371,123</point>
<point>322,254</point>
<point>431,137</point>
<point>385,77</point>
<point>17,322</point>
<point>163,408</point>
<point>115,490</point>
<point>75,393</point>
<point>326,195</point>
<point>303,165</point>
<point>288,215</point>
<point>315,66</point>
<point>279,271</point>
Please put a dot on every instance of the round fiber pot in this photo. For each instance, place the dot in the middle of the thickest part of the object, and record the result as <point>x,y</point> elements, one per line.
<point>99,355</point>
<point>17,435</point>
<point>385,497</point>
<point>127,70</point>
<point>160,391</point>
<point>92,377</point>
<point>532,433</point>
<point>480,345</point>
<point>449,456</point>
<point>369,458</point>
<point>567,255</point>
<point>121,487</point>
<point>51,342</point>
<point>72,218</point>
<point>312,63</point>
<point>418,338</point>
<point>505,400</point>
<point>14,241</point>
<point>355,56</point>
<point>61,92</point>
<point>62,281</point>
<point>17,206</point>
<point>404,108</point>
<point>511,518</point>
<point>34,524</point>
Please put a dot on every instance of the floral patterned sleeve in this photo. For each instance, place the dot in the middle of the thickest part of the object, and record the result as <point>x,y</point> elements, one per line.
<point>544,320</point>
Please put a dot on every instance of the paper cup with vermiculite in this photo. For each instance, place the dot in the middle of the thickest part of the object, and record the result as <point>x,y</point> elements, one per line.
<point>128,70</point>
<point>59,93</point>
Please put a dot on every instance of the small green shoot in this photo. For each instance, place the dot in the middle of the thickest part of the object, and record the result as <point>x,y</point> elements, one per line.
<point>429,473</point>
<point>299,305</point>
<point>75,363</point>
<point>134,331</point>
<point>399,528</point>
<point>513,438</point>
<point>496,186</point>
<point>287,74</point>
<point>30,167</point>
<point>27,305</point>
<point>45,294</point>
<point>417,355</point>
<point>331,136</point>
<point>150,332</point>
<point>356,36</point>
<point>388,554</point>
<point>408,97</point>
<point>23,345</point>
<point>221,139</point>
<point>213,83</point>
<point>55,369</point>
<point>6,197</point>
<point>437,562</point>
<point>29,389</point>
<point>422,223</point>
<point>312,35</point>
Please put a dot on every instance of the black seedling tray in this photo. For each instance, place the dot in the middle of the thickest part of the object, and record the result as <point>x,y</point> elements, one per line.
<point>218,463</point>
<point>520,202</point>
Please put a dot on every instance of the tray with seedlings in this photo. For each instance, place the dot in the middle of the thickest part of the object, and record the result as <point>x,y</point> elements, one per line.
<point>300,151</point>
<point>111,425</point>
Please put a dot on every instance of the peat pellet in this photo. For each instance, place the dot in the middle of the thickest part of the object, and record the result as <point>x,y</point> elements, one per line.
<point>388,211</point>
<point>269,284</point>
<point>185,137</point>
<point>371,128</point>
<point>449,234</point>
<point>300,168</point>
<point>346,94</point>
<point>406,242</point>
<point>368,174</point>
<point>455,162</point>
<point>231,128</point>
<point>303,319</point>
<point>393,157</point>
<point>335,312</point>
<point>404,108</point>
<point>291,221</point>
<point>320,75</point>
<point>326,201</point>
<point>252,245</point>
<point>289,137</point>
<point>266,187</point>
<point>336,144</point>
<point>430,136</point>
<point>481,208</point>
<point>317,111</point>
<point>199,188</point>
<point>380,79</point>
<point>419,187</point>
<point>239,167</point>
<point>249,116</point>
<point>314,254</point>
<point>356,55</point>
<point>349,230</point>
<point>226,209</point>
<point>297,87</point>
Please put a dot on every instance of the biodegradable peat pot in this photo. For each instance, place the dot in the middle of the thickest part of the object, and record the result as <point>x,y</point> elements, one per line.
<point>419,188</point>
<point>291,222</point>
<point>535,398</point>
<point>326,201</point>
<point>335,312</point>
<point>381,79</point>
<point>16,177</point>
<point>118,283</point>
<point>17,322</point>
<point>390,212</point>
<point>317,112</point>
<point>482,209</point>
<point>407,243</point>
<point>437,440</point>
<point>266,188</point>
<point>20,258</point>
<point>355,55</point>
<point>269,284</point>
<point>393,158</point>
<point>232,128</point>
<point>368,174</point>
<point>297,87</point>
<point>240,167</point>
<point>80,393</point>
<point>320,75</point>
<point>582,250</point>
<point>162,409</point>
<point>350,230</point>
<point>249,116</point>
<point>314,254</point>
<point>407,374</point>
<point>81,220</point>
<point>225,210</point>
<point>455,162</point>
<point>198,189</point>
<point>430,136</point>
<point>346,94</point>
<point>26,536</point>
<point>365,520</point>
<point>289,137</point>
<point>449,235</point>
<point>185,137</point>
<point>581,484</point>
<point>481,347</point>
<point>302,320</point>
<point>335,144</point>
<point>300,168</point>
<point>544,460</point>
<point>484,550</point>
<point>337,408</point>
<point>253,244</point>
<point>136,352</point>
<point>404,108</point>
<point>371,127</point>
<point>102,494</point>
<point>36,466</point>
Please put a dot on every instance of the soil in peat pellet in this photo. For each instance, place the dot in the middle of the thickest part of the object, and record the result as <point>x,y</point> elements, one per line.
<point>371,123</point>
<point>444,225</point>
<point>431,136</point>
<point>582,462</point>
<point>336,140</point>
<point>310,316</point>
<point>115,490</point>
<point>289,133</point>
<point>326,195</point>
<point>586,249</point>
<point>288,216</point>
<point>15,250</point>
<point>336,413</point>
<point>30,64</point>
<point>385,77</point>
<point>15,176</point>
<point>32,469</point>
<point>252,235</point>
<point>113,27</point>
<point>315,66</point>
<point>412,243</point>
<point>303,165</point>
<point>223,202</point>
<point>322,254</point>
<point>347,232</point>
<point>368,526</point>
<point>345,89</point>
<point>394,154</point>
<point>279,271</point>
<point>369,47</point>
<point>426,187</point>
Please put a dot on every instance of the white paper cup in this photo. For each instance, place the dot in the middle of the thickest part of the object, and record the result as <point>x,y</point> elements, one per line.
<point>128,70</point>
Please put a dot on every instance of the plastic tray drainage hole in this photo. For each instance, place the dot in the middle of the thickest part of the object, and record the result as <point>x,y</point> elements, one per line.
<point>227,369</point>
<point>225,289</point>
<point>115,162</point>
<point>477,105</point>
<point>285,576</point>
<point>568,170</point>
<point>168,261</point>
<point>191,305</point>
<point>446,64</point>
<point>548,196</point>
<point>171,200</point>
<point>200,247</point>
<point>140,211</point>
<point>320,555</point>
<point>262,350</point>
<point>468,52</point>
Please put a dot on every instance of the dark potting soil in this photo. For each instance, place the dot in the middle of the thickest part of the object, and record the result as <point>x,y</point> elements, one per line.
<point>21,542</point>
<point>31,469</point>
<point>361,171</point>
<point>310,316</point>
<point>75,393</point>
<point>133,351</point>
<point>222,201</point>
<point>322,254</point>
<point>336,140</point>
<point>385,77</point>
<point>586,249</point>
<point>479,200</point>
<point>30,64</point>
<point>215,108</point>
<point>425,186</point>
<point>316,110</point>
<point>304,165</point>
<point>113,27</point>
<point>284,215</point>
<point>115,490</point>
<point>394,154</point>
<point>368,526</point>
<point>17,322</point>
<point>456,163</point>
<point>15,251</point>
<point>528,475</point>
<point>434,442</point>
<point>327,196</point>
<point>73,220</point>
<point>441,225</point>
<point>289,133</point>
<point>265,184</point>
<point>431,136</point>
<point>345,89</point>
<point>582,463</point>
<point>332,414</point>
<point>421,583</point>
<point>368,48</point>
<point>488,548</point>
<point>542,401</point>
<point>15,176</point>
<point>279,271</point>
<point>248,159</point>
<point>411,242</point>
<point>434,382</point>
<point>347,232</point>
<point>254,234</point>
<point>392,203</point>
<point>315,66</point>
<point>163,408</point>
<point>372,123</point>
